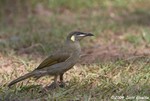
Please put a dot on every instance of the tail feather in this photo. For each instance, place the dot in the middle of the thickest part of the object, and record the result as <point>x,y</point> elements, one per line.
<point>31,74</point>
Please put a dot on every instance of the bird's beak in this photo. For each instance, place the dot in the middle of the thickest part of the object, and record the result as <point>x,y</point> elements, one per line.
<point>86,34</point>
<point>89,34</point>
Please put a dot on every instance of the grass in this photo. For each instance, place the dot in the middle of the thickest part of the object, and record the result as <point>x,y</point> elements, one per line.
<point>133,39</point>
<point>101,81</point>
<point>121,29</point>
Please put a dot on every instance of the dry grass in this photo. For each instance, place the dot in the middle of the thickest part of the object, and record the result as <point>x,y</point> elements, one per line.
<point>115,63</point>
<point>85,82</point>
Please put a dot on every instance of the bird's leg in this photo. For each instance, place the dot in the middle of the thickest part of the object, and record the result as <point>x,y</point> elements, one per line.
<point>61,77</point>
<point>54,84</point>
<point>55,79</point>
<point>62,83</point>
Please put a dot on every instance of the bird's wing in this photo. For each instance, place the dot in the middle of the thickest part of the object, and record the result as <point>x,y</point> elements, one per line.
<point>53,59</point>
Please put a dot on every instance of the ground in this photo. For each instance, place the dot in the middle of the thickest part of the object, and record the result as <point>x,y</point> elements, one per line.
<point>114,64</point>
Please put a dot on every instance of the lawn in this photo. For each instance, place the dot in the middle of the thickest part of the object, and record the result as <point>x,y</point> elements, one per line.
<point>115,63</point>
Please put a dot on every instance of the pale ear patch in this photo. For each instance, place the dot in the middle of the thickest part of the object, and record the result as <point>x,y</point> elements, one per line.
<point>73,38</point>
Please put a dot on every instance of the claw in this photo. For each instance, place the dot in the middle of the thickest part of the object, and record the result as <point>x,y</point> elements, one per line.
<point>62,84</point>
<point>52,86</point>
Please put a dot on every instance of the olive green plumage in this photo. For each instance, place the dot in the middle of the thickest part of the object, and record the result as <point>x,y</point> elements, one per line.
<point>60,61</point>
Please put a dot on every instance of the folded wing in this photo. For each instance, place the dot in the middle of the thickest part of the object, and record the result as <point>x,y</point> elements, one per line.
<point>53,59</point>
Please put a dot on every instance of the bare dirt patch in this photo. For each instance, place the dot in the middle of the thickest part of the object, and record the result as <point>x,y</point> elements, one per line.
<point>101,52</point>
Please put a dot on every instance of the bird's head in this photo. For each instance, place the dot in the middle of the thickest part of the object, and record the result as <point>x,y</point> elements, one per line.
<point>77,36</point>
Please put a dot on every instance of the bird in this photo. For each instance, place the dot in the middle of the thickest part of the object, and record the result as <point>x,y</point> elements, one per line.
<point>60,61</point>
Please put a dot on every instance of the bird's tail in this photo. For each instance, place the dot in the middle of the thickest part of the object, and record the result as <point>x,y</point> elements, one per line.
<point>31,74</point>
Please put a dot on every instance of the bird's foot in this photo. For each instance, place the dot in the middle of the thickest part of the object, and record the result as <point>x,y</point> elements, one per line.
<point>62,84</point>
<point>53,85</point>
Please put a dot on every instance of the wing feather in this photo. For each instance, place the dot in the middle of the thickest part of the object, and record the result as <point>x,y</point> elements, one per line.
<point>53,59</point>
